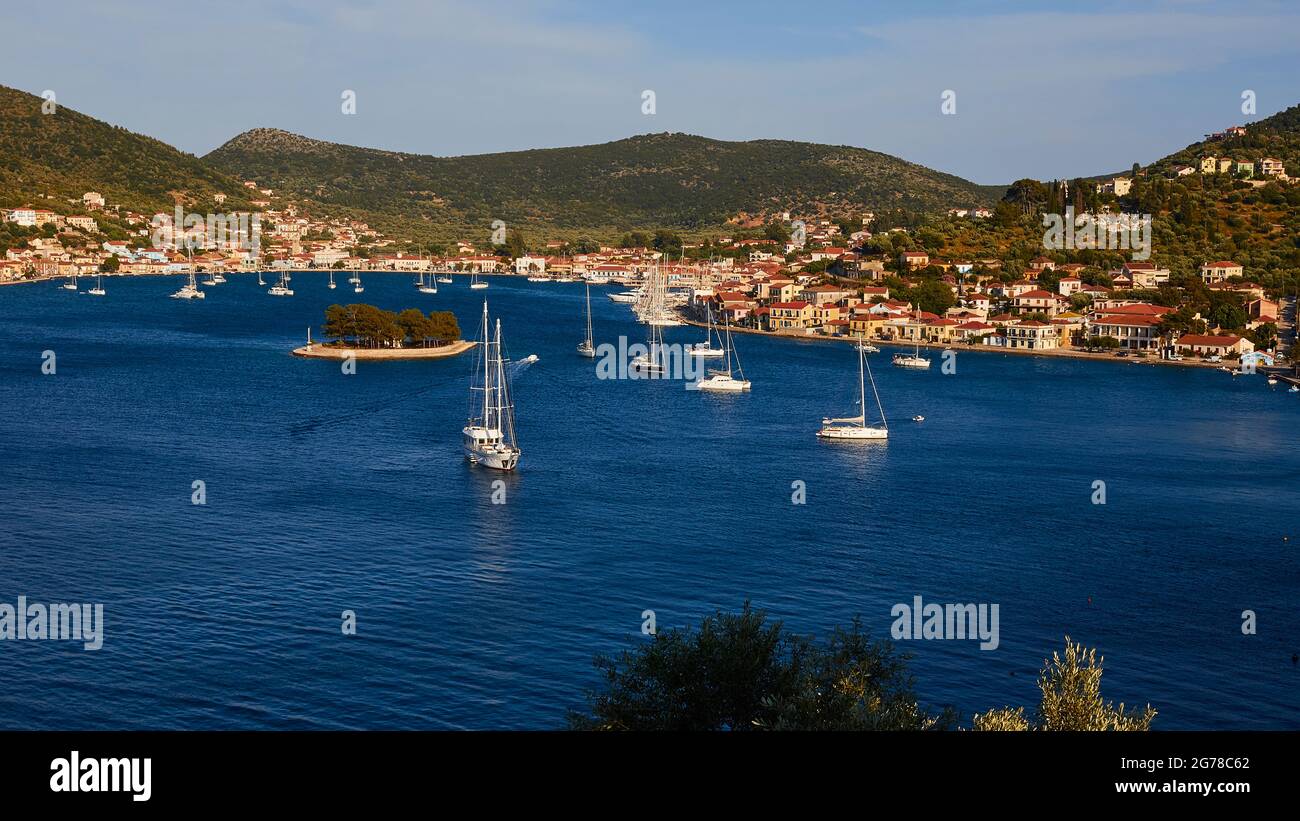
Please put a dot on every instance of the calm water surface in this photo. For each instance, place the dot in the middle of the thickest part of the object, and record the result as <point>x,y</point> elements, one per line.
<point>329,492</point>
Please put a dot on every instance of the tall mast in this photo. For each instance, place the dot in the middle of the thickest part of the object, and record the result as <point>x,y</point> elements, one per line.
<point>487,364</point>
<point>862,386</point>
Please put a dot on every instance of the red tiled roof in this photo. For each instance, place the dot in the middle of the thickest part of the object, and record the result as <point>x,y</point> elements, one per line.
<point>1199,339</point>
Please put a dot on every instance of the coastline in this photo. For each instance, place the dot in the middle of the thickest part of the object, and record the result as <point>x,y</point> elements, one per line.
<point>1061,353</point>
<point>319,350</point>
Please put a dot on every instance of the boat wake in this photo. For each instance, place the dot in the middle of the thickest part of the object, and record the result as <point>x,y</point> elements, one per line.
<point>318,423</point>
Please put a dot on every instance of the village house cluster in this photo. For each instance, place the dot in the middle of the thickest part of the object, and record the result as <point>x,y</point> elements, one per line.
<point>763,284</point>
<point>988,312</point>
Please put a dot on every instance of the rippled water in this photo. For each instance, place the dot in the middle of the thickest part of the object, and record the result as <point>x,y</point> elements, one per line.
<point>632,495</point>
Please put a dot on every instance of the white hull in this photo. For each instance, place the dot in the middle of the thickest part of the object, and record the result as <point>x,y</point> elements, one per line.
<point>644,364</point>
<point>705,351</point>
<point>279,290</point>
<point>852,433</point>
<point>445,279</point>
<point>478,286</point>
<point>428,290</point>
<point>189,293</point>
<point>916,362</point>
<point>723,384</point>
<point>625,298</point>
<point>585,349</point>
<point>484,447</point>
<point>97,292</point>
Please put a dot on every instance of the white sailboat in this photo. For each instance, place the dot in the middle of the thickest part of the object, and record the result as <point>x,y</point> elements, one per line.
<point>651,363</point>
<point>431,288</point>
<point>706,348</point>
<point>190,290</point>
<point>355,279</point>
<point>624,297</point>
<point>475,284</point>
<point>260,281</point>
<point>489,436</point>
<point>332,286</point>
<point>856,427</point>
<point>724,381</point>
<point>358,288</point>
<point>913,360</point>
<point>445,279</point>
<point>587,347</point>
<point>281,288</point>
<point>71,284</point>
<point>98,290</point>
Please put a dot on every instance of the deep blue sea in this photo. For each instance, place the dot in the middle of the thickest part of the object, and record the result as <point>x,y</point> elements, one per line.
<point>329,492</point>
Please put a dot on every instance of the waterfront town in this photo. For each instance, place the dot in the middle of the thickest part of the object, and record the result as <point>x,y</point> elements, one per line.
<point>821,281</point>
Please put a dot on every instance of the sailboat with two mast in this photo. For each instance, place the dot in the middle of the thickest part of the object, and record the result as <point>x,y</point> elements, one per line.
<point>489,435</point>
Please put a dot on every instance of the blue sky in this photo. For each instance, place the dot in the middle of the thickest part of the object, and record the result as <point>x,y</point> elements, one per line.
<point>1042,89</point>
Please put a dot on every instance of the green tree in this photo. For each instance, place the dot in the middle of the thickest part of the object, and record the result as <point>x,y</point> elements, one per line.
<point>443,327</point>
<point>745,672</point>
<point>932,295</point>
<point>667,242</point>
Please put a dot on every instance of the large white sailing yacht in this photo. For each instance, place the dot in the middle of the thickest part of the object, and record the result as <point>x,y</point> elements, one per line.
<point>856,427</point>
<point>489,436</point>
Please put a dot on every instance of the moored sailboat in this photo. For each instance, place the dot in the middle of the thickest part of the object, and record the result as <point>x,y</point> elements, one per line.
<point>587,347</point>
<point>706,348</point>
<point>190,290</point>
<point>856,427</point>
<point>281,288</point>
<point>913,360</point>
<point>724,381</point>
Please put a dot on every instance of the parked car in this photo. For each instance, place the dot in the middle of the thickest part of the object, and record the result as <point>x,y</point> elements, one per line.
<point>1215,358</point>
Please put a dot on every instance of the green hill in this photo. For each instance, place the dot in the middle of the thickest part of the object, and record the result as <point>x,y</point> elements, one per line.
<point>1277,137</point>
<point>65,154</point>
<point>649,181</point>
